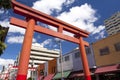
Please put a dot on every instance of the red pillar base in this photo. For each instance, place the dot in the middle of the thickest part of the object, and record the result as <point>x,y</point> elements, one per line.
<point>21,77</point>
<point>88,77</point>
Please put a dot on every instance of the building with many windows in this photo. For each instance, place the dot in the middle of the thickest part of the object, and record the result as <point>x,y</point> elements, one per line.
<point>112,24</point>
<point>107,57</point>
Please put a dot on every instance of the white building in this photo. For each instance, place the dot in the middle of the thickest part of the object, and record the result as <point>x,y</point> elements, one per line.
<point>40,55</point>
<point>72,65</point>
<point>112,24</point>
<point>72,60</point>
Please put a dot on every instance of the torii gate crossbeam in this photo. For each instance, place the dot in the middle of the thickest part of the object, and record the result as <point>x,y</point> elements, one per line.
<point>30,25</point>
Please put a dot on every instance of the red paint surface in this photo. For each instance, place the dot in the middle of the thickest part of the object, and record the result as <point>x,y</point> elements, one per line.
<point>88,77</point>
<point>21,77</point>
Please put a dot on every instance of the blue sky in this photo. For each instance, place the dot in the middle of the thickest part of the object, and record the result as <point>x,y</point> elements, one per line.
<point>85,14</point>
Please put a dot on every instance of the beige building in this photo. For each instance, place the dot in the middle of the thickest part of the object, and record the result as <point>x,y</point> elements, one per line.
<point>112,24</point>
<point>40,55</point>
<point>107,50</point>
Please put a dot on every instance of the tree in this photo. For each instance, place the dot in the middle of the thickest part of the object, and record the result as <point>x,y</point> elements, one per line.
<point>5,4</point>
<point>2,44</point>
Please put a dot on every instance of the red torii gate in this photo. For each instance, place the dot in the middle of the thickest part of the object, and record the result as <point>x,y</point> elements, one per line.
<point>30,25</point>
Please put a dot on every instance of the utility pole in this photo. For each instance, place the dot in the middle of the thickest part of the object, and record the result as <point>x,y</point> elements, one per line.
<point>62,76</point>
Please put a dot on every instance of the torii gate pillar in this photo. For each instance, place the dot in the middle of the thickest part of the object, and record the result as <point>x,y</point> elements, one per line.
<point>25,52</point>
<point>84,59</point>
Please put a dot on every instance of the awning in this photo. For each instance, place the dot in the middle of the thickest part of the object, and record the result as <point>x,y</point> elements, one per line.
<point>107,69</point>
<point>76,75</point>
<point>40,77</point>
<point>49,77</point>
<point>65,75</point>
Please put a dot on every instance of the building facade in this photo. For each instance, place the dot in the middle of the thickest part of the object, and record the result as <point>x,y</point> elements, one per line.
<point>107,57</point>
<point>45,60</point>
<point>112,24</point>
<point>72,64</point>
<point>47,70</point>
<point>72,60</point>
<point>107,50</point>
<point>40,55</point>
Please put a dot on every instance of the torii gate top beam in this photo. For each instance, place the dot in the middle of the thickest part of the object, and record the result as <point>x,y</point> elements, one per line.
<point>42,17</point>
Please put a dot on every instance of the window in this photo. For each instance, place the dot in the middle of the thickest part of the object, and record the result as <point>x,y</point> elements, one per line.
<point>77,55</point>
<point>54,69</point>
<point>104,51</point>
<point>88,51</point>
<point>59,60</point>
<point>117,46</point>
<point>66,58</point>
<point>41,72</point>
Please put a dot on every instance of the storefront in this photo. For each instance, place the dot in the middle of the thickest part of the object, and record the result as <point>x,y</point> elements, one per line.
<point>79,75</point>
<point>111,72</point>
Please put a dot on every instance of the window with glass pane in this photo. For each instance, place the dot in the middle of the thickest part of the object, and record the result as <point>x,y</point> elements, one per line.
<point>54,69</point>
<point>88,51</point>
<point>104,51</point>
<point>42,72</point>
<point>77,55</point>
<point>117,46</point>
<point>66,58</point>
<point>59,60</point>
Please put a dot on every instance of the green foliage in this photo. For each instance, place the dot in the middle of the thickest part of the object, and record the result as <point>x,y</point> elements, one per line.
<point>2,44</point>
<point>6,4</point>
<point>2,47</point>
<point>29,78</point>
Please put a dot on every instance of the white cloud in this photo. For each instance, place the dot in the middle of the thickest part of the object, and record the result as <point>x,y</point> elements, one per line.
<point>1,11</point>
<point>100,35</point>
<point>46,42</point>
<point>37,44</point>
<point>5,62</point>
<point>58,39</point>
<point>48,7</point>
<point>81,16</point>
<point>49,43</point>
<point>69,2</point>
<point>98,29</point>
<point>12,28</point>
<point>17,39</point>
<point>15,29</point>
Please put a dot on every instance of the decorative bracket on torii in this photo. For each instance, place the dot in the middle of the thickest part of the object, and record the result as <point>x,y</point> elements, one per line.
<point>29,24</point>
